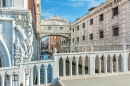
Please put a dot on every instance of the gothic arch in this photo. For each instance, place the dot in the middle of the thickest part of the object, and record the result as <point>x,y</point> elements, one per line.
<point>4,53</point>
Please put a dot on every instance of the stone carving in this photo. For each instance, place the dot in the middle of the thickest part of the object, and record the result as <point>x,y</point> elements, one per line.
<point>24,37</point>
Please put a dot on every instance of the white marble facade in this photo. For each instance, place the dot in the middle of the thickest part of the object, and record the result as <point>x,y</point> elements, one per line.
<point>17,37</point>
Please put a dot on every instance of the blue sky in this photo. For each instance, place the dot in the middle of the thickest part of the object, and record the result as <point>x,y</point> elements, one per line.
<point>69,9</point>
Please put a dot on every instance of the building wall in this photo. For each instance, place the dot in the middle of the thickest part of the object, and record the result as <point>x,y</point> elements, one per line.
<point>109,42</point>
<point>57,43</point>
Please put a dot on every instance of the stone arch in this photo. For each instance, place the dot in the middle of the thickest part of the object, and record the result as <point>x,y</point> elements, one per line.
<point>4,53</point>
<point>64,36</point>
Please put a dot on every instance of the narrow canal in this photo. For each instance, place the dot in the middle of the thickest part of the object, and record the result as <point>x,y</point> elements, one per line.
<point>48,57</point>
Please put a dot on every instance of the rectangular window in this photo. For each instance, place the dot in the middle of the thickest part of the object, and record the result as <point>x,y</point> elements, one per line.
<point>91,21</point>
<point>77,27</point>
<point>83,25</point>
<point>49,28</point>
<point>101,17</point>
<point>91,36</point>
<point>115,31</point>
<point>83,38</point>
<point>115,11</point>
<point>61,28</point>
<point>77,39</point>
<point>73,29</point>
<point>101,34</point>
<point>73,39</point>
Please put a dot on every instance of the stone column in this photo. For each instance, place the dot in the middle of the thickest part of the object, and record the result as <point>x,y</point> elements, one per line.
<point>10,80</point>
<point>64,67</point>
<point>111,64</point>
<point>88,65</point>
<point>83,66</point>
<point>117,68</point>
<point>45,75</point>
<point>31,77</point>
<point>99,64</point>
<point>38,76</point>
<point>105,65</point>
<point>77,67</point>
<point>2,80</point>
<point>70,67</point>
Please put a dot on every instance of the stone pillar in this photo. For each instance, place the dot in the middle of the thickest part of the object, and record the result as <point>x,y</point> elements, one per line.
<point>70,67</point>
<point>10,80</point>
<point>111,64</point>
<point>117,68</point>
<point>92,64</point>
<point>64,67</point>
<point>31,77</point>
<point>83,66</point>
<point>38,76</point>
<point>125,61</point>
<point>99,64</point>
<point>77,67</point>
<point>89,65</point>
<point>2,80</point>
<point>105,65</point>
<point>45,75</point>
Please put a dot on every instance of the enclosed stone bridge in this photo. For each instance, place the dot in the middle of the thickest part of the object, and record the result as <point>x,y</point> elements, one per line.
<point>55,26</point>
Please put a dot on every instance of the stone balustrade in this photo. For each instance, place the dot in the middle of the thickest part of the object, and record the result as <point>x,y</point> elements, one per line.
<point>27,73</point>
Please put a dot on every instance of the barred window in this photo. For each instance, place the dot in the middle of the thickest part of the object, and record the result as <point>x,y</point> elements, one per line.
<point>115,11</point>
<point>115,31</point>
<point>83,38</point>
<point>77,39</point>
<point>77,27</point>
<point>91,21</point>
<point>101,34</point>
<point>101,17</point>
<point>73,29</point>
<point>91,36</point>
<point>49,28</point>
<point>83,25</point>
<point>73,39</point>
<point>61,28</point>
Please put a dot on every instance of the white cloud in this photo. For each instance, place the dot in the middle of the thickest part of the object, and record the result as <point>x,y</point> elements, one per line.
<point>47,14</point>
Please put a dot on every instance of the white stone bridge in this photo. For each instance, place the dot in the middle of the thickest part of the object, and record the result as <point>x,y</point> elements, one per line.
<point>55,26</point>
<point>24,73</point>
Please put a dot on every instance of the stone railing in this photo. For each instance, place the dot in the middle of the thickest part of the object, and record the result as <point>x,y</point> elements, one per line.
<point>27,73</point>
<point>96,62</point>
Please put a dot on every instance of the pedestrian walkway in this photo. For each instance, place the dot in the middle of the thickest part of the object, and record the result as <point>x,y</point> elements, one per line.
<point>122,80</point>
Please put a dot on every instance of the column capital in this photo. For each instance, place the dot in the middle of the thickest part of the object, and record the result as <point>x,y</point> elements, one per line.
<point>70,59</point>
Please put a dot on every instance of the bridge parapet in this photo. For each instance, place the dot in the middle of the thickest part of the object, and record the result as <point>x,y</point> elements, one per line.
<point>26,72</point>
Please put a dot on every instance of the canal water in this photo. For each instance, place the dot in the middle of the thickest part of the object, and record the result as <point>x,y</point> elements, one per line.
<point>47,57</point>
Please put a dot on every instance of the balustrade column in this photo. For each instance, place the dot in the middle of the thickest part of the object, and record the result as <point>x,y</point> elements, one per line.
<point>45,75</point>
<point>99,65</point>
<point>31,77</point>
<point>2,80</point>
<point>77,68</point>
<point>70,67</point>
<point>10,80</point>
<point>38,77</point>
<point>64,67</point>
<point>83,66</point>
<point>111,64</point>
<point>117,69</point>
<point>105,65</point>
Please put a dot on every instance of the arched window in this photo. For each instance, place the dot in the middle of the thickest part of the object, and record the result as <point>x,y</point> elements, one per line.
<point>2,3</point>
